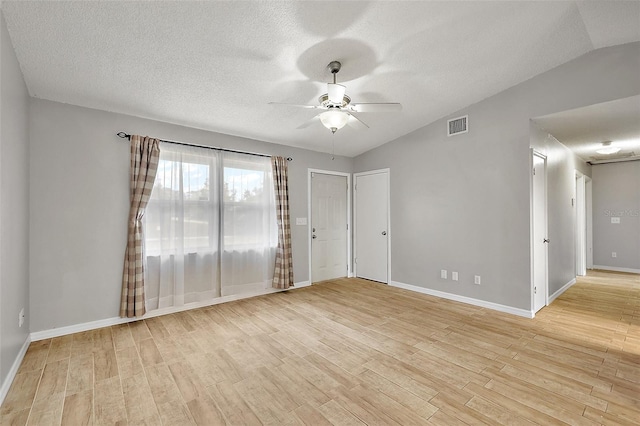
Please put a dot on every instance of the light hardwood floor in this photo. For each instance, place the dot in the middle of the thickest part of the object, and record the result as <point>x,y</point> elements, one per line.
<point>347,352</point>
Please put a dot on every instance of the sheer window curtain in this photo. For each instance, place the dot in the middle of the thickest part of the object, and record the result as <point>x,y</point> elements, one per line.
<point>182,228</point>
<point>210,226</point>
<point>249,224</point>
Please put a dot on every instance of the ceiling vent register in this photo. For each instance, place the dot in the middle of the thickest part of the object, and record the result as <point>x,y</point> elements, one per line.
<point>458,125</point>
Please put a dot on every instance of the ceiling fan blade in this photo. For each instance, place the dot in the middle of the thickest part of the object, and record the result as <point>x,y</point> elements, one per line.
<point>336,92</point>
<point>375,107</point>
<point>356,123</point>
<point>309,122</point>
<point>296,105</point>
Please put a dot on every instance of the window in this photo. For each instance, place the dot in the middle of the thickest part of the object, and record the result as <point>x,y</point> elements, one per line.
<point>247,189</point>
<point>210,226</point>
<point>183,210</point>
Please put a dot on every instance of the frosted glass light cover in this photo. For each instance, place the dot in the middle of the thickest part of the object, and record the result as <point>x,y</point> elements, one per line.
<point>334,119</point>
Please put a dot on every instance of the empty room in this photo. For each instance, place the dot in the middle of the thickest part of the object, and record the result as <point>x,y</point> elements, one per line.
<point>319,212</point>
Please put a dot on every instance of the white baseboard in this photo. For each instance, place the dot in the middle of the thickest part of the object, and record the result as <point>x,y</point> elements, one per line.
<point>465,299</point>
<point>562,289</point>
<point>108,322</point>
<point>77,328</point>
<point>6,384</point>
<point>616,269</point>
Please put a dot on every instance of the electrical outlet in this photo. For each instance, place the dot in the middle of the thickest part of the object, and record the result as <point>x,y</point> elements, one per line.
<point>477,279</point>
<point>454,276</point>
<point>443,274</point>
<point>21,317</point>
<point>614,254</point>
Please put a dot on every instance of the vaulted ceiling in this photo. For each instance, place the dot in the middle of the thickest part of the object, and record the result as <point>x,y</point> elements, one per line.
<point>217,65</point>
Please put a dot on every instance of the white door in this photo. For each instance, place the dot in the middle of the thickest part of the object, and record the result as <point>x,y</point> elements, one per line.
<point>371,225</point>
<point>328,227</point>
<point>540,240</point>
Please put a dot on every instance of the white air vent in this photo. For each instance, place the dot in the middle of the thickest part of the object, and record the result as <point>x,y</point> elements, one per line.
<point>457,125</point>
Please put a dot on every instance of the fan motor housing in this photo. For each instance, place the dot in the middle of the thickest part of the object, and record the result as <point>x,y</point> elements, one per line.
<point>326,103</point>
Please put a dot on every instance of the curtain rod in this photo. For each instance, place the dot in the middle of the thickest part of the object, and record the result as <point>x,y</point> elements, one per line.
<point>124,135</point>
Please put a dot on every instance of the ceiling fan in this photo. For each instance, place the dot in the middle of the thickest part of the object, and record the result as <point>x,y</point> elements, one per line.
<point>338,108</point>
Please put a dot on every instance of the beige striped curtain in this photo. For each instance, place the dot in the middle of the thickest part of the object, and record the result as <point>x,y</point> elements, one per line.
<point>145,153</point>
<point>283,273</point>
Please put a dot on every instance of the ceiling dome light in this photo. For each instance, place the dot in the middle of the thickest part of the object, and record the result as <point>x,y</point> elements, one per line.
<point>334,119</point>
<point>607,149</point>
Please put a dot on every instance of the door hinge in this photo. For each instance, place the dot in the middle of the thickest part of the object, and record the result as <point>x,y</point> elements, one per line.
<point>355,187</point>
<point>347,226</point>
<point>534,171</point>
<point>535,290</point>
<point>355,260</point>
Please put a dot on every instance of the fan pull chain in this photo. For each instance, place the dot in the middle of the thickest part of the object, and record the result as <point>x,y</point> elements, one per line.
<point>333,146</point>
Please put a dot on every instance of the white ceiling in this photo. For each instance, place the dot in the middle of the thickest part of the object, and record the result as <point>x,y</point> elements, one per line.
<point>216,65</point>
<point>584,129</point>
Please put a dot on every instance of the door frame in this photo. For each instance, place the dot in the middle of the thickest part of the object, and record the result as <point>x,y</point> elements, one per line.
<point>349,227</point>
<point>386,171</point>
<point>533,153</point>
<point>589,220</point>
<point>583,224</point>
<point>580,225</point>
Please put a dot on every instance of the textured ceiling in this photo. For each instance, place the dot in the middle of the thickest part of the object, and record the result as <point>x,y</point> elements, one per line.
<point>216,65</point>
<point>584,129</point>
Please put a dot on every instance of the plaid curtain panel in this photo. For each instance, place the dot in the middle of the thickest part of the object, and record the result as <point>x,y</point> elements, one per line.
<point>283,273</point>
<point>145,153</point>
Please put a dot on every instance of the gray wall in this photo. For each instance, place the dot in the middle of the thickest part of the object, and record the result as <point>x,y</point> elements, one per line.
<point>80,203</point>
<point>462,203</point>
<point>616,192</point>
<point>14,205</point>
<point>562,164</point>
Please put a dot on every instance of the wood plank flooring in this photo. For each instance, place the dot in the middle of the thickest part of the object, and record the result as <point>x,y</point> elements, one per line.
<point>347,352</point>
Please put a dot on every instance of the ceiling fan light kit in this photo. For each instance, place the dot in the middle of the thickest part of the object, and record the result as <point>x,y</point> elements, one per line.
<point>338,106</point>
<point>334,119</point>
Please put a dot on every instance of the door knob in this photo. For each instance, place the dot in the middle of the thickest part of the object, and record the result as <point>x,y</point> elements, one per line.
<point>545,240</point>
<point>313,236</point>
<point>384,232</point>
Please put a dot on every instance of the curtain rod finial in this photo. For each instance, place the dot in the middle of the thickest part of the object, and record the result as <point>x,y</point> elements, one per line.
<point>289,159</point>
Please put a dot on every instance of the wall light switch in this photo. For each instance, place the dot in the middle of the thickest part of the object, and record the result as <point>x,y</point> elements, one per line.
<point>443,274</point>
<point>454,276</point>
<point>615,220</point>
<point>477,280</point>
<point>301,220</point>
<point>614,254</point>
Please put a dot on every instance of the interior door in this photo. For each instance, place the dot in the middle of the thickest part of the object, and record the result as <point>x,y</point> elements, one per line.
<point>328,227</point>
<point>371,225</point>
<point>540,240</point>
